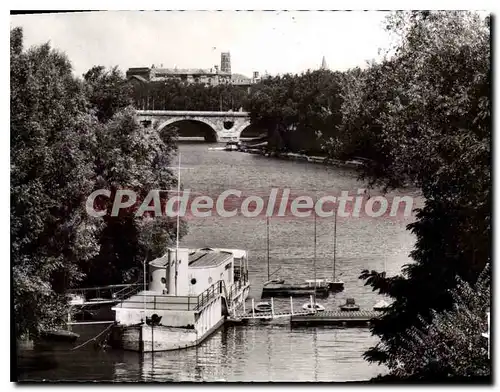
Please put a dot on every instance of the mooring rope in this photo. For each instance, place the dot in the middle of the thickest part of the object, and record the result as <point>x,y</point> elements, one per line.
<point>92,339</point>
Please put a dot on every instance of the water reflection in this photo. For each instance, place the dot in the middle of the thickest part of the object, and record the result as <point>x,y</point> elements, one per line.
<point>259,353</point>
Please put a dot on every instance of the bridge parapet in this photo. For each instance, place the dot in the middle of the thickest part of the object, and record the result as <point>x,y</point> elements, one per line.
<point>189,113</point>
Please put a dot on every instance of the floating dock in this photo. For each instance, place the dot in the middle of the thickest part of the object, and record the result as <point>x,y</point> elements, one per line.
<point>252,314</point>
<point>343,318</point>
<point>308,317</point>
<point>263,316</point>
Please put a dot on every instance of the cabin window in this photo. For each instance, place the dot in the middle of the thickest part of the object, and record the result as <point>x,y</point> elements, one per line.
<point>163,280</point>
<point>193,281</point>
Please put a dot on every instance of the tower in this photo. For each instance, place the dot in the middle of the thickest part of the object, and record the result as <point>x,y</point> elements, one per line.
<point>225,62</point>
<point>323,64</point>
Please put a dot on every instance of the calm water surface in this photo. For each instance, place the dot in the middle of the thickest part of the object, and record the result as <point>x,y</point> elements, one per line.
<point>264,351</point>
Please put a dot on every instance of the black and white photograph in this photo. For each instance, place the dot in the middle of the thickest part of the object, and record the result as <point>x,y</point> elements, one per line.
<point>266,196</point>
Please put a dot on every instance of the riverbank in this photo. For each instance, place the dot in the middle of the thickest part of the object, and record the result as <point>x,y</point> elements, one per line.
<point>291,156</point>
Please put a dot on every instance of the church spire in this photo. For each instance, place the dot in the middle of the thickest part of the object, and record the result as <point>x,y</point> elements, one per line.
<point>323,64</point>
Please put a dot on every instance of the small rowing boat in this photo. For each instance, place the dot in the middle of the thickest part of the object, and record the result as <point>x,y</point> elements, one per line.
<point>381,305</point>
<point>263,307</point>
<point>59,335</point>
<point>316,307</point>
<point>350,305</point>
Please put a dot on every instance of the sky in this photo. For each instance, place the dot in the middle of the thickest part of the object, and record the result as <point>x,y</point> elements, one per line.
<point>276,42</point>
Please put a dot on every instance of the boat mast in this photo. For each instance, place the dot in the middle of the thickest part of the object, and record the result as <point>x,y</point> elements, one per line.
<point>334,245</point>
<point>268,272</point>
<point>144,288</point>
<point>314,212</point>
<point>178,221</point>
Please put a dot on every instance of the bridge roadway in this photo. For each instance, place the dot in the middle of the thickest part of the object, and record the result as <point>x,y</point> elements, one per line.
<point>225,126</point>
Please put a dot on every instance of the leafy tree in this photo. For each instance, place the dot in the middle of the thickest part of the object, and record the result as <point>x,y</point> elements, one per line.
<point>126,156</point>
<point>60,153</point>
<point>175,94</point>
<point>107,91</point>
<point>130,156</point>
<point>359,134</point>
<point>299,111</point>
<point>451,345</point>
<point>430,123</point>
<point>50,178</point>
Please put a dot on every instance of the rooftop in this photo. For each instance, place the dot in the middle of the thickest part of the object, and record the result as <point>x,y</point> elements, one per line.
<point>159,262</point>
<point>183,71</point>
<point>239,77</point>
<point>238,253</point>
<point>139,69</point>
<point>202,258</point>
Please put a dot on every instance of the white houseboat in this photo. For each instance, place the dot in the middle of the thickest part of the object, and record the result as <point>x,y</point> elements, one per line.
<point>189,295</point>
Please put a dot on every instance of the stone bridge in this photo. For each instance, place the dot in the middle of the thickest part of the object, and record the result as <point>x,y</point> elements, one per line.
<point>225,126</point>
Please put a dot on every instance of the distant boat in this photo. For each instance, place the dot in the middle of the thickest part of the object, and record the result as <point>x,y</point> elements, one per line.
<point>275,281</point>
<point>354,163</point>
<point>279,289</point>
<point>318,283</point>
<point>232,146</point>
<point>350,305</point>
<point>381,305</point>
<point>59,335</point>
<point>317,307</point>
<point>316,159</point>
<point>263,307</point>
<point>336,285</point>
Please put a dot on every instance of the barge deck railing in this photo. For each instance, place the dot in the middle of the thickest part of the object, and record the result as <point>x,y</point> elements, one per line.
<point>188,302</point>
<point>115,291</point>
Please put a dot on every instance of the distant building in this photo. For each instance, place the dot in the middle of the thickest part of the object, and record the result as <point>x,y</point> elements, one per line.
<point>324,66</point>
<point>209,77</point>
<point>225,62</point>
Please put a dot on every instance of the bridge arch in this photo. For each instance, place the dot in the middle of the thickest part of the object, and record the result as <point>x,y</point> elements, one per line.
<point>210,136</point>
<point>249,130</point>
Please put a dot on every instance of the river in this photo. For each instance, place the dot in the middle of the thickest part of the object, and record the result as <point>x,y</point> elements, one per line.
<point>264,351</point>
